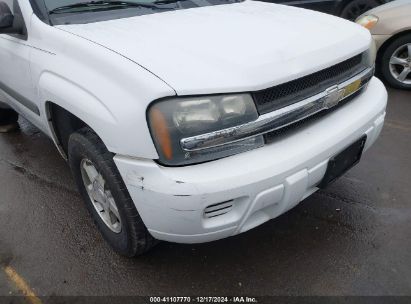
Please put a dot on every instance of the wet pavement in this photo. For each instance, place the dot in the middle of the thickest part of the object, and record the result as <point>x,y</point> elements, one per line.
<point>352,239</point>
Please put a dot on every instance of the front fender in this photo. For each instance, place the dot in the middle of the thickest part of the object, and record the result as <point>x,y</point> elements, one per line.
<point>107,91</point>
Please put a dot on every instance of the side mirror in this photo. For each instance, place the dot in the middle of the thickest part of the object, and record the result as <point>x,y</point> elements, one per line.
<point>6,17</point>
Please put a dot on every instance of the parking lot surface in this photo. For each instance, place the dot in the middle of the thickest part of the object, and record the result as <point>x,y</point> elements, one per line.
<point>352,239</point>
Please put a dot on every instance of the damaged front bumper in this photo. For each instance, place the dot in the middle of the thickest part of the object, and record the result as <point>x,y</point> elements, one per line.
<point>214,200</point>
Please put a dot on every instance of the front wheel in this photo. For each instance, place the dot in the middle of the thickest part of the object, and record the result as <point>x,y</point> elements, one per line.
<point>106,195</point>
<point>395,65</point>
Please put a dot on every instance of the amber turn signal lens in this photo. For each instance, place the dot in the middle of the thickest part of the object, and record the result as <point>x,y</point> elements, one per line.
<point>161,132</point>
<point>368,21</point>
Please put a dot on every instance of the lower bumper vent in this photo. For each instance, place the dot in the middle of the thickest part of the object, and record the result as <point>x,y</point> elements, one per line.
<point>218,209</point>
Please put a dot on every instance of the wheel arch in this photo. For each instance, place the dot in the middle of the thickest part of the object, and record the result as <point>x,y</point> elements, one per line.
<point>62,124</point>
<point>343,3</point>
<point>386,43</point>
<point>68,107</point>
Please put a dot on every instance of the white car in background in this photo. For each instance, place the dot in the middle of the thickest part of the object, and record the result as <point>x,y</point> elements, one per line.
<point>190,121</point>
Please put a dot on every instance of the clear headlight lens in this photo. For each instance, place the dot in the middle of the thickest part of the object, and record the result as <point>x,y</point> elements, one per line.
<point>174,119</point>
<point>368,21</point>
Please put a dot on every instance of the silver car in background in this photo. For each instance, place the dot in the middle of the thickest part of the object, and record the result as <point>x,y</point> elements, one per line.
<point>390,25</point>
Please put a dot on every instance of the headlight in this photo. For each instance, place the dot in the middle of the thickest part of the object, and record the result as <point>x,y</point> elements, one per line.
<point>174,119</point>
<point>372,54</point>
<point>368,21</point>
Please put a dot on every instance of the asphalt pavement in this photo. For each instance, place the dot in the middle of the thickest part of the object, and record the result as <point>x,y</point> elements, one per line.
<point>352,239</point>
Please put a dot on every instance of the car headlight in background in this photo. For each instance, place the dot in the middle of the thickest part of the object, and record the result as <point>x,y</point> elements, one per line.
<point>368,21</point>
<point>173,119</point>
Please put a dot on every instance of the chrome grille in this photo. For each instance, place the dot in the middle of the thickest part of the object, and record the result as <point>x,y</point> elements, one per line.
<point>284,117</point>
<point>277,134</point>
<point>285,94</point>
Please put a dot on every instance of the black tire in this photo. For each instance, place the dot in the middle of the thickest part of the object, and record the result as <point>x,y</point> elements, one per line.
<point>356,8</point>
<point>134,238</point>
<point>8,116</point>
<point>384,62</point>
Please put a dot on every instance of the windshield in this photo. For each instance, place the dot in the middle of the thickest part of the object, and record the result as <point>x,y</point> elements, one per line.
<point>53,4</point>
<point>79,5</point>
<point>86,11</point>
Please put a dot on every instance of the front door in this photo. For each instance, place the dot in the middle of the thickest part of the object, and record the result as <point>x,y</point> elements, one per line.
<point>15,77</point>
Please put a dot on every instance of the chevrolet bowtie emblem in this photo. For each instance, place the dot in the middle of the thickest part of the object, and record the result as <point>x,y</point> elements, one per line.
<point>335,94</point>
<point>333,97</point>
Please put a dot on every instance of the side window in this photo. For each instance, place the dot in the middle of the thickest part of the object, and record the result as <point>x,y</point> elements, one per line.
<point>10,3</point>
<point>18,21</point>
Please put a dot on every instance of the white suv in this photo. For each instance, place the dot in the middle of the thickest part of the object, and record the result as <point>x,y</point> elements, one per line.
<point>190,120</point>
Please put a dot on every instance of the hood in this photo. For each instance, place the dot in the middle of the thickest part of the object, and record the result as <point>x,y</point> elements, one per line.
<point>229,48</point>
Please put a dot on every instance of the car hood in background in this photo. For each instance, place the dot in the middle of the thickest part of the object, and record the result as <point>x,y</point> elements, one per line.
<point>229,48</point>
<point>394,5</point>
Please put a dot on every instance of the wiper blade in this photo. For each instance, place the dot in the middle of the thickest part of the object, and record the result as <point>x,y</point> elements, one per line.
<point>168,1</point>
<point>103,5</point>
<point>176,1</point>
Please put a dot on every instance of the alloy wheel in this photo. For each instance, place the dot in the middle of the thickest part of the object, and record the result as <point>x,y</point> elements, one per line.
<point>100,196</point>
<point>400,64</point>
